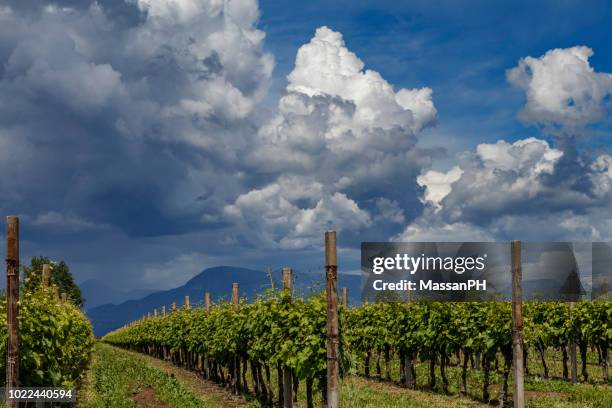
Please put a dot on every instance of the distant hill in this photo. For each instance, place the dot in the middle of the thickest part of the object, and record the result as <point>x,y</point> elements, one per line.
<point>97,293</point>
<point>218,282</point>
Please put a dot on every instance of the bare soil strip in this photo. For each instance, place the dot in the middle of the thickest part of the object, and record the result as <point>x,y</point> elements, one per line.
<point>146,398</point>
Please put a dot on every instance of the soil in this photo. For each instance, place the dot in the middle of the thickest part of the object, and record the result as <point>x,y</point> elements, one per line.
<point>145,398</point>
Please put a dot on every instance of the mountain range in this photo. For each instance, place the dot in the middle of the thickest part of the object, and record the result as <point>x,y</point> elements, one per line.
<point>97,293</point>
<point>218,281</point>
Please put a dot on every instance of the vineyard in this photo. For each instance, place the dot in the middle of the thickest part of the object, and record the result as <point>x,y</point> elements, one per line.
<point>287,350</point>
<point>56,340</point>
<point>233,342</point>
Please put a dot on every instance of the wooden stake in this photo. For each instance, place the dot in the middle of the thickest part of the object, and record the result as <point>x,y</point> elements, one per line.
<point>155,312</point>
<point>164,311</point>
<point>517,320</point>
<point>46,275</point>
<point>573,357</point>
<point>64,296</point>
<point>287,279</point>
<point>345,297</point>
<point>331,273</point>
<point>186,304</point>
<point>236,362</point>
<point>56,290</point>
<point>207,300</point>
<point>235,293</point>
<point>173,307</point>
<point>12,300</point>
<point>287,388</point>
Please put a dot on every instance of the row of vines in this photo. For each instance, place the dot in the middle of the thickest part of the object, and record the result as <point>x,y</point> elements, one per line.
<point>475,335</point>
<point>228,342</point>
<point>55,342</point>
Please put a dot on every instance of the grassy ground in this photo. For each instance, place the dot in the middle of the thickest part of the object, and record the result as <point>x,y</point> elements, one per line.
<point>540,392</point>
<point>120,378</point>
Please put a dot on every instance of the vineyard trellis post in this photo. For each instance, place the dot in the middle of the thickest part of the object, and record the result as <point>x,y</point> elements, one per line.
<point>187,305</point>
<point>12,306</point>
<point>287,397</point>
<point>235,293</point>
<point>236,361</point>
<point>345,297</point>
<point>333,335</point>
<point>207,300</point>
<point>572,353</point>
<point>163,308</point>
<point>517,325</point>
<point>46,275</point>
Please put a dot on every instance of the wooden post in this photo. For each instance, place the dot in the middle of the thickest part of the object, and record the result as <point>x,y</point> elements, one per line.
<point>235,365</point>
<point>207,300</point>
<point>12,306</point>
<point>287,389</point>
<point>235,293</point>
<point>573,357</point>
<point>164,311</point>
<point>64,296</point>
<point>287,277</point>
<point>186,304</point>
<point>46,275</point>
<point>331,274</point>
<point>155,312</point>
<point>173,307</point>
<point>517,320</point>
<point>56,290</point>
<point>345,297</point>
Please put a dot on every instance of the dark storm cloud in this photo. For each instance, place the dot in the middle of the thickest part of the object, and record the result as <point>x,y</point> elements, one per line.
<point>122,115</point>
<point>132,140</point>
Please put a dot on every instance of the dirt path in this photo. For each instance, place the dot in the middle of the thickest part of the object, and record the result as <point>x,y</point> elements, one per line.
<point>146,398</point>
<point>222,396</point>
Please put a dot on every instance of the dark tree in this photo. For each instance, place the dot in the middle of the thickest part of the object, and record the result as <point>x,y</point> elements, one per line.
<point>60,276</point>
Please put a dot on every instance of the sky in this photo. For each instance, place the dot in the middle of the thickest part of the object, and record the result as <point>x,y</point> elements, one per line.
<point>142,141</point>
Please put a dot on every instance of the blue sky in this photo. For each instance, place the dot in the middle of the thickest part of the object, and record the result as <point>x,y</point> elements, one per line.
<point>166,137</point>
<point>461,50</point>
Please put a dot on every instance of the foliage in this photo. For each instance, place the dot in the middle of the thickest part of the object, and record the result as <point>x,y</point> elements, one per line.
<point>117,375</point>
<point>270,330</point>
<point>55,340</point>
<point>60,276</point>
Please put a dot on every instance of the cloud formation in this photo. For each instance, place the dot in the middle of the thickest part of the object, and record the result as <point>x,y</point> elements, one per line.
<point>128,113</point>
<point>531,200</point>
<point>530,189</point>
<point>345,130</point>
<point>562,88</point>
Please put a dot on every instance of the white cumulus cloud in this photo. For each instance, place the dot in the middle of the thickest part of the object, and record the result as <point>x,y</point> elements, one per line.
<point>562,88</point>
<point>344,128</point>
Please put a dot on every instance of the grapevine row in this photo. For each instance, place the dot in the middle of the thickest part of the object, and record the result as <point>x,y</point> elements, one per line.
<point>56,340</point>
<point>274,332</point>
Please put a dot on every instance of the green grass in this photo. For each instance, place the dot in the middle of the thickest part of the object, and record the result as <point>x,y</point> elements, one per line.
<point>540,392</point>
<point>115,376</point>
